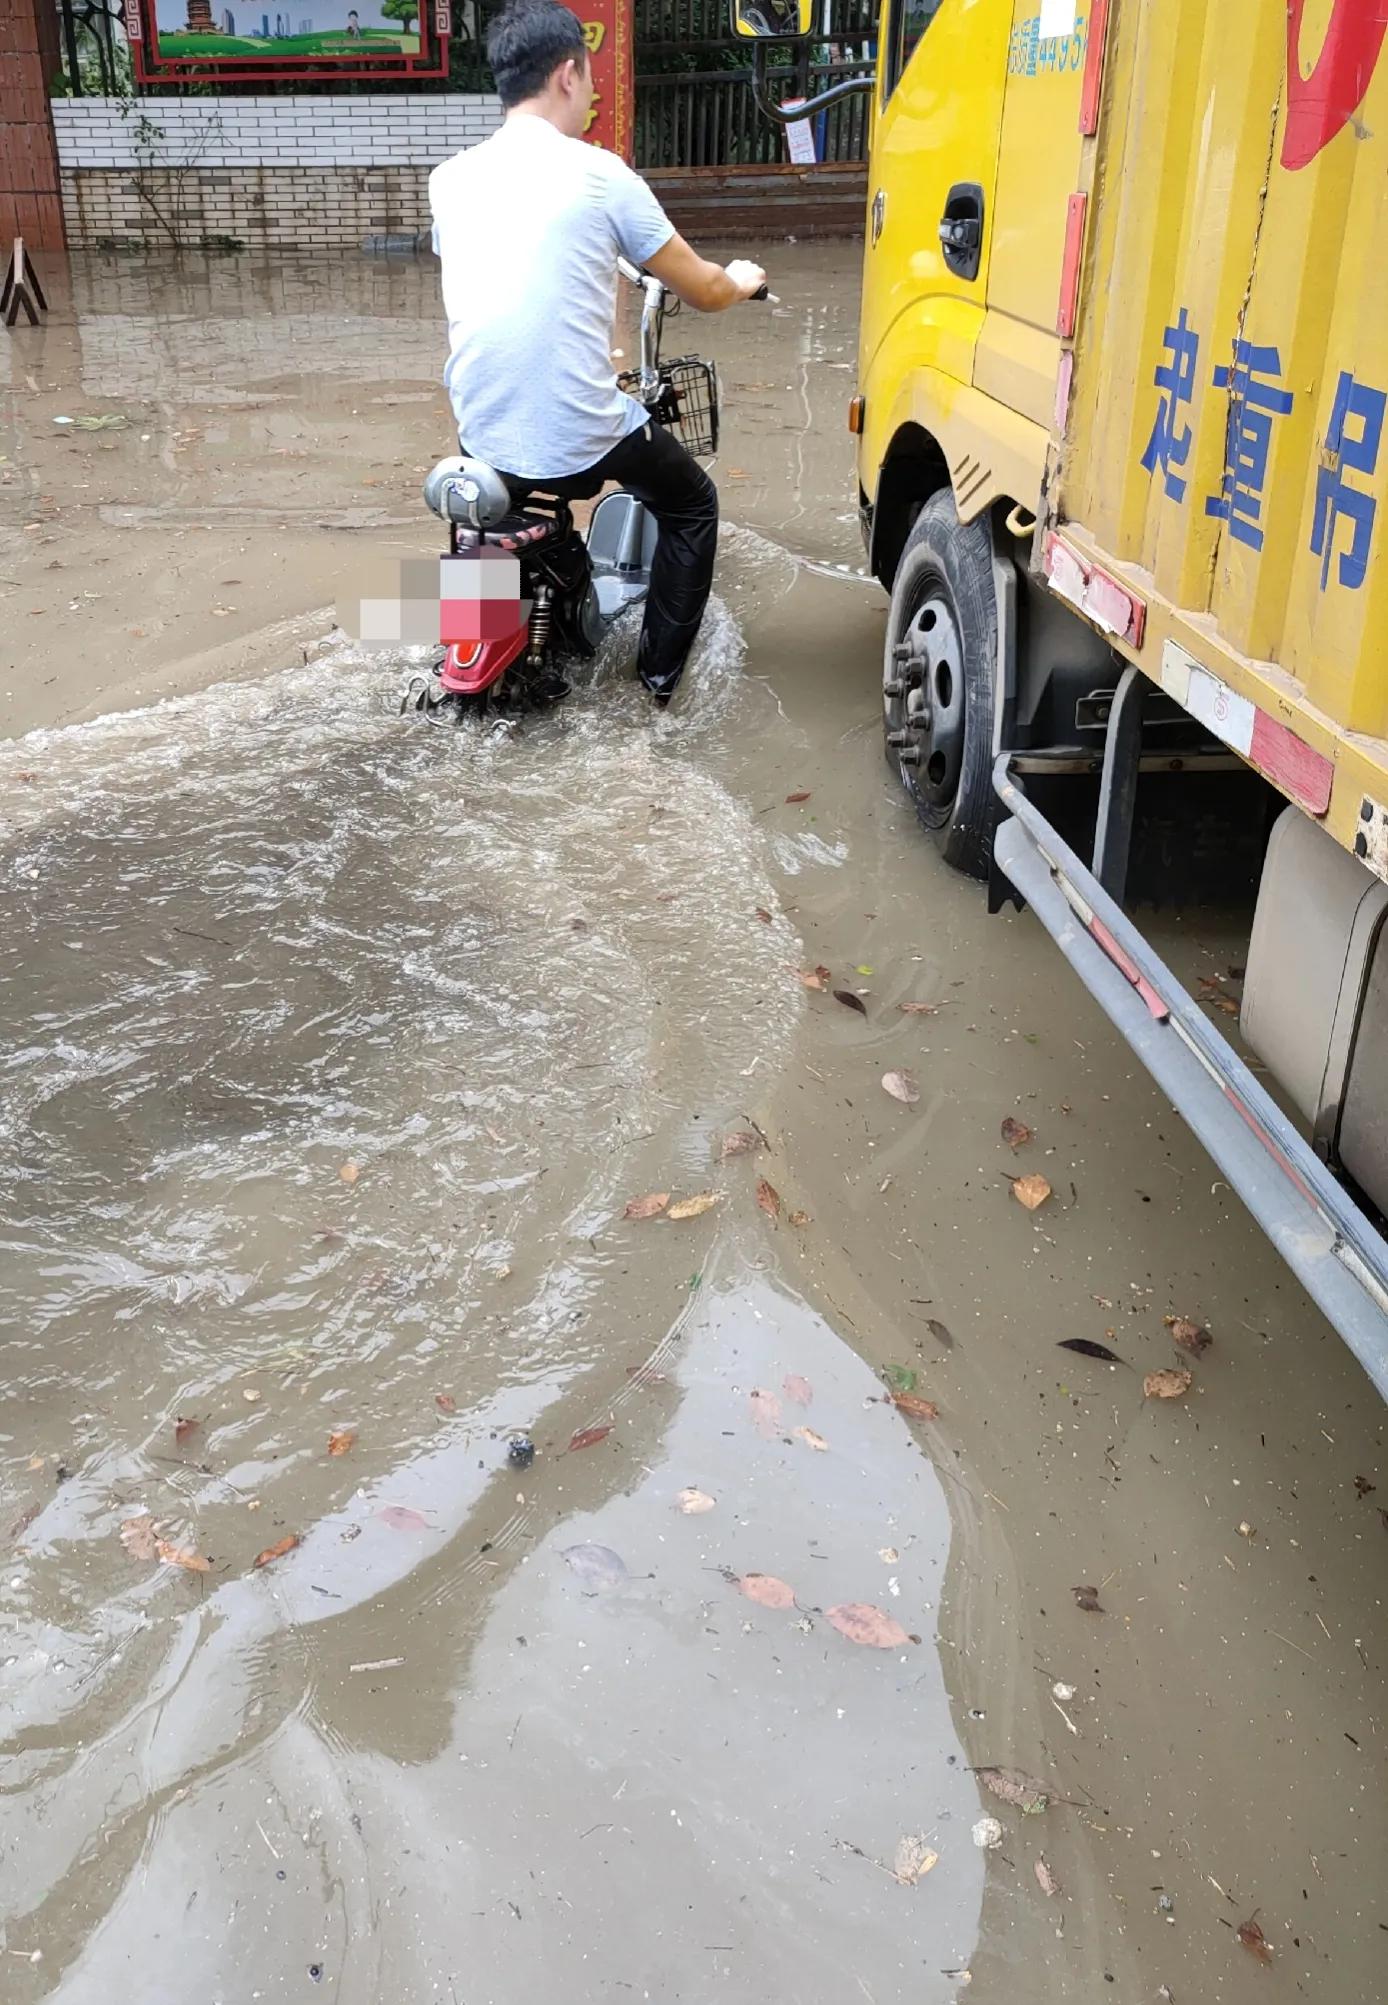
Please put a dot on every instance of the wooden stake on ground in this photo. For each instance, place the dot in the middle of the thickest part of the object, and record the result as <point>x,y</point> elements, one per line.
<point>21,288</point>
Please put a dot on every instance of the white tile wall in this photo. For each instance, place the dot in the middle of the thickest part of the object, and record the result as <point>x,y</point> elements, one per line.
<point>408,130</point>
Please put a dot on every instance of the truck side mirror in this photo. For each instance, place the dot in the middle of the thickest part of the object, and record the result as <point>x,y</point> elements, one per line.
<point>772,20</point>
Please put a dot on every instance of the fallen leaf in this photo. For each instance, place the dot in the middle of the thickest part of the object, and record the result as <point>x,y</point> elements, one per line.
<point>741,1142</point>
<point>811,1439</point>
<point>183,1556</point>
<point>402,1518</point>
<point>279,1549</point>
<point>766,1412</point>
<point>1030,1191</point>
<point>342,1441</point>
<point>349,1173</point>
<point>768,1198</point>
<point>915,1408</point>
<point>800,1218</point>
<point>694,1207</point>
<point>1246,1530</point>
<point>1046,1880</point>
<point>1363,1487</point>
<point>902,1087</point>
<point>801,1392</point>
<point>900,1377</point>
<point>1087,1348</point>
<point>1087,1598</point>
<point>1014,1786</point>
<point>763,915</point>
<point>1166,1384</point>
<point>919,1009</point>
<point>850,1001</point>
<point>889,1554</point>
<point>598,1566</point>
<point>940,1332</point>
<point>588,1437</point>
<point>863,969</point>
<point>37,1462</point>
<point>694,1502</point>
<point>802,795</point>
<point>137,1535</point>
<point>185,1429</point>
<point>1190,1336</point>
<point>813,978</point>
<point>1016,1134</point>
<point>766,1590</point>
<point>647,1207</point>
<point>445,1402</point>
<point>914,1859</point>
<point>1253,1940</point>
<point>861,1623</point>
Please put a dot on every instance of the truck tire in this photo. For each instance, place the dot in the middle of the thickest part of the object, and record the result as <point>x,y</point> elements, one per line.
<point>939,679</point>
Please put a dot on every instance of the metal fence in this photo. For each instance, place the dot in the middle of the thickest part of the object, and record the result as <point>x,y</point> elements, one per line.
<point>709,118</point>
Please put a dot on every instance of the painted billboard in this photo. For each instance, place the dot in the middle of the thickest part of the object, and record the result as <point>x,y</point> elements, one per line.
<point>332,38</point>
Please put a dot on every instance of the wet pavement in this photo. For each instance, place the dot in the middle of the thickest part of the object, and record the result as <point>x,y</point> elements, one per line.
<point>334,1050</point>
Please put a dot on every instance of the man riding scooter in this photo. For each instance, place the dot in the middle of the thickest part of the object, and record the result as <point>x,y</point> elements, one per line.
<point>528,227</point>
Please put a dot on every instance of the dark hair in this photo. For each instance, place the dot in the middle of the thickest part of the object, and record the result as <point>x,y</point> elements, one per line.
<point>527,42</point>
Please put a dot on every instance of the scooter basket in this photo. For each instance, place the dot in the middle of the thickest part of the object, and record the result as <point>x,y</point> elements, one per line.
<point>687,404</point>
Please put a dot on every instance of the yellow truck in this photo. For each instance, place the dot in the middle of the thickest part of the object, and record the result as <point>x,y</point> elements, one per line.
<point>1122,467</point>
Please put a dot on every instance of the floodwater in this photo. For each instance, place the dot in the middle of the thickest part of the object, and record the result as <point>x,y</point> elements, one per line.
<point>333,1049</point>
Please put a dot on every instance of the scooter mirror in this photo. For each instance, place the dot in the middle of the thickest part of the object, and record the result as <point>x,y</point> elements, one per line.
<point>772,20</point>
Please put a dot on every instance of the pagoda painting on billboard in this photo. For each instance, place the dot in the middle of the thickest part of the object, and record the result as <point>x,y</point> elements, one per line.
<point>257,38</point>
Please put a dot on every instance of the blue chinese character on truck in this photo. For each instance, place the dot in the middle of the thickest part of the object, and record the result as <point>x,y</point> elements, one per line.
<point>1170,443</point>
<point>1351,446</point>
<point>1254,401</point>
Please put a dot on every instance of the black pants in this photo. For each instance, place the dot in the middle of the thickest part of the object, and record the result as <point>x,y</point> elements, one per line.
<point>654,466</point>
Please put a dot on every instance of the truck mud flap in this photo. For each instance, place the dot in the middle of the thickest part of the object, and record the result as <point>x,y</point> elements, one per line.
<point>1329,1243</point>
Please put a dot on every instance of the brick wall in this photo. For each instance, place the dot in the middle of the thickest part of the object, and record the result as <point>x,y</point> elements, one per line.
<point>275,173</point>
<point>30,206</point>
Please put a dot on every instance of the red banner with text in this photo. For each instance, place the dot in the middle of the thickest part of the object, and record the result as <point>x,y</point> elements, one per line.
<point>607,31</point>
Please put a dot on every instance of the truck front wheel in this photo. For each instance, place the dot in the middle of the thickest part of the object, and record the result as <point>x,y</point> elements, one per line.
<point>938,682</point>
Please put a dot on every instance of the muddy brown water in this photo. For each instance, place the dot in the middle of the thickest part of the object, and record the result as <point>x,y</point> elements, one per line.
<point>487,1733</point>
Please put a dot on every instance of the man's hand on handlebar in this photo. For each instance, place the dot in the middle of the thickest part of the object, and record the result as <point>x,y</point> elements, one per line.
<point>749,278</point>
<point>699,283</point>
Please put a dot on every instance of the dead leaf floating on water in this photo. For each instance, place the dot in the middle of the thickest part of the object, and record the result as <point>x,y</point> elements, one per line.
<point>1016,1134</point>
<point>184,1429</point>
<point>183,1556</point>
<point>1016,1787</point>
<point>919,1008</point>
<point>278,1550</point>
<point>647,1207</point>
<point>589,1437</point>
<point>802,795</point>
<point>766,1590</point>
<point>694,1503</point>
<point>800,1218</point>
<point>914,1859</point>
<point>1087,1348</point>
<point>445,1402</point>
<point>1046,1879</point>
<point>940,1332</point>
<point>768,1198</point>
<point>914,1407</point>
<point>766,1412</point>
<point>811,1439</point>
<point>401,1518</point>
<point>763,915</point>
<point>138,1537</point>
<point>1190,1336</point>
<point>597,1566</point>
<point>349,1173</point>
<point>850,1001</point>
<point>694,1207</point>
<point>1253,1939</point>
<point>741,1142</point>
<point>902,1087</point>
<point>814,978</point>
<point>1031,1191</point>
<point>1168,1384</point>
<point>797,1389</point>
<point>1087,1598</point>
<point>342,1441</point>
<point>861,1623</point>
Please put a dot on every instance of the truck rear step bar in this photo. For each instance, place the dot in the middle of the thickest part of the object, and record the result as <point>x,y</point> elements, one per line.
<point>1329,1243</point>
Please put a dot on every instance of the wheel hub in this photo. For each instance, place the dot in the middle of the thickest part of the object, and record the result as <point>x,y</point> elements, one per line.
<point>923,698</point>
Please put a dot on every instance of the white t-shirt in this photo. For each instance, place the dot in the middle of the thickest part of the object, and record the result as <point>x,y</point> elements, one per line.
<point>528,227</point>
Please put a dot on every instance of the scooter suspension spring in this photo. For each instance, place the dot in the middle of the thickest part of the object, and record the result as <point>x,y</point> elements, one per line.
<point>541,615</point>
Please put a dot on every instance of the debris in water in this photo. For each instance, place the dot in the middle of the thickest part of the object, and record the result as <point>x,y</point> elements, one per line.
<point>811,1439</point>
<point>183,1556</point>
<point>763,915</point>
<point>694,1207</point>
<point>597,1566</point>
<point>1087,1348</point>
<point>401,1518</point>
<point>902,1087</point>
<point>1192,1337</point>
<point>349,1173</point>
<point>280,1548</point>
<point>694,1502</point>
<point>850,1001</point>
<point>1031,1191</point>
<point>915,1408</point>
<point>940,1332</point>
<point>766,1590</point>
<point>1046,1879</point>
<point>1166,1384</point>
<point>342,1441</point>
<point>900,1378</point>
<point>1253,1939</point>
<point>741,1142</point>
<point>800,1218</point>
<point>861,1623</point>
<point>1016,1134</point>
<point>768,1198</point>
<point>138,1537</point>
<point>919,1008</point>
<point>914,1859</point>
<point>184,1429</point>
<point>1363,1487</point>
<point>647,1207</point>
<point>1015,1786</point>
<point>520,1451</point>
<point>1087,1598</point>
<point>987,1834</point>
<point>445,1402</point>
<point>1062,1691</point>
<point>586,1437</point>
<point>766,1412</point>
<point>813,978</point>
<point>796,1389</point>
<point>802,795</point>
<point>251,1396</point>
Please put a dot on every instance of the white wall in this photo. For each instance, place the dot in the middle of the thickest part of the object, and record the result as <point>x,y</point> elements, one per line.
<point>395,129</point>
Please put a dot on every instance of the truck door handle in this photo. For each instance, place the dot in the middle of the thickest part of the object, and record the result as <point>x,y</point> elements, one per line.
<point>961,229</point>
<point>879,213</point>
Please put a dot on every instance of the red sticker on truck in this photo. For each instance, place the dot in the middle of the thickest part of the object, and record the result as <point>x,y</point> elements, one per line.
<point>1321,104</point>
